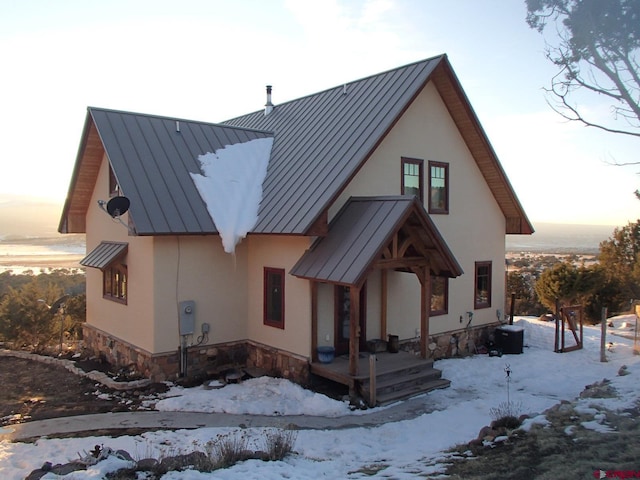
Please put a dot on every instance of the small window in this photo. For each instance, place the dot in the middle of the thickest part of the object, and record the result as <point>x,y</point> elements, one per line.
<point>438,187</point>
<point>483,285</point>
<point>439,296</point>
<point>412,177</point>
<point>115,283</point>
<point>274,297</point>
<point>114,188</point>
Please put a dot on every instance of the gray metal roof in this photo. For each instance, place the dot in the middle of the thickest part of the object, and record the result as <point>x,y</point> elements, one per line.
<point>105,254</point>
<point>322,139</point>
<point>320,142</point>
<point>152,158</point>
<point>359,233</point>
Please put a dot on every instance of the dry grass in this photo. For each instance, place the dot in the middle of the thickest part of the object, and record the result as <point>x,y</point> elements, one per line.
<point>564,449</point>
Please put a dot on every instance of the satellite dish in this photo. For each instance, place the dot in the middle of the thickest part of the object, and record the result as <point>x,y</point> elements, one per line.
<point>117,206</point>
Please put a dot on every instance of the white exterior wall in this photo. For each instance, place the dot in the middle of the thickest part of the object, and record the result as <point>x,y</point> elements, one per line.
<point>279,252</point>
<point>474,229</point>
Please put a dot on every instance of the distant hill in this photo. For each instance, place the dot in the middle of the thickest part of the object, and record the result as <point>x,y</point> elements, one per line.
<point>561,238</point>
<point>27,217</point>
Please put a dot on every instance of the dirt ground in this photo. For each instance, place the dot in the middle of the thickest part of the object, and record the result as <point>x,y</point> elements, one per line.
<point>32,390</point>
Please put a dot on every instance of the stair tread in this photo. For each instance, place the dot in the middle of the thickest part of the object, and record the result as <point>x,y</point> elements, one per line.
<point>399,377</point>
<point>392,396</point>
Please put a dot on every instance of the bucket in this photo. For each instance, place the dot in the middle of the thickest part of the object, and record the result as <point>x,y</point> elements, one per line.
<point>326,354</point>
<point>394,344</point>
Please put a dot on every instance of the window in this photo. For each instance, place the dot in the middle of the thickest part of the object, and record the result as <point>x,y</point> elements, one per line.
<point>115,283</point>
<point>482,297</point>
<point>439,296</point>
<point>412,177</point>
<point>114,188</point>
<point>438,187</point>
<point>274,297</point>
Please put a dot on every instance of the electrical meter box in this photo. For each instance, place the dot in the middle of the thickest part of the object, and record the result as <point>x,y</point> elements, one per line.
<point>187,318</point>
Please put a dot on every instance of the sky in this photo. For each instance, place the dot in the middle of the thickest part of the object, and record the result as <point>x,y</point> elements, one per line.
<point>210,60</point>
<point>404,449</point>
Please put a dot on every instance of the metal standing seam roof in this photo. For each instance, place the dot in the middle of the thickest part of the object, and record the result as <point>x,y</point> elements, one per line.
<point>322,140</point>
<point>105,254</point>
<point>358,234</point>
<point>152,158</point>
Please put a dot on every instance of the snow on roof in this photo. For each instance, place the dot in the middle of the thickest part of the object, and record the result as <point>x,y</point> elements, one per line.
<point>231,187</point>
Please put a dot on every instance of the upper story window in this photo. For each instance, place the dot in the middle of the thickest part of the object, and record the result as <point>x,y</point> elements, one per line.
<point>439,296</point>
<point>438,187</point>
<point>114,188</point>
<point>115,283</point>
<point>274,297</point>
<point>412,175</point>
<point>482,295</point>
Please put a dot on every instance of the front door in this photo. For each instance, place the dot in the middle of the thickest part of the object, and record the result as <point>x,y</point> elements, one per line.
<point>342,297</point>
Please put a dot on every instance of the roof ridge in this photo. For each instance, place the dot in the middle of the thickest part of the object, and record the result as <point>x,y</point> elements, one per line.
<point>178,119</point>
<point>341,85</point>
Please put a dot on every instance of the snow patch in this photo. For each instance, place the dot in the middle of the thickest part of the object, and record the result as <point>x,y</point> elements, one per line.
<point>231,186</point>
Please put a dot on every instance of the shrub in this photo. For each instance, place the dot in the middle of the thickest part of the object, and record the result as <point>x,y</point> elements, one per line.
<point>506,415</point>
<point>278,443</point>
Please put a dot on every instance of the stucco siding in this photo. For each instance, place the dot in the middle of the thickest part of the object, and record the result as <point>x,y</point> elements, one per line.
<point>279,252</point>
<point>197,268</point>
<point>133,321</point>
<point>474,228</point>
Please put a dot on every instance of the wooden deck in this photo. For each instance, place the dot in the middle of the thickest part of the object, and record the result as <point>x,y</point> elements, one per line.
<point>397,376</point>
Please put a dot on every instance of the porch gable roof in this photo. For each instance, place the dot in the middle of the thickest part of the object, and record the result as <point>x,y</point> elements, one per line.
<point>360,233</point>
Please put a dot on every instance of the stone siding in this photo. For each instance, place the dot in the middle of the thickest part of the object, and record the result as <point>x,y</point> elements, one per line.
<point>207,361</point>
<point>453,344</point>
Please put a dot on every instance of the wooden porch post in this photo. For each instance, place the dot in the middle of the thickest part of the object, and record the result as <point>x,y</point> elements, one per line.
<point>425,307</point>
<point>383,304</point>
<point>314,321</point>
<point>354,331</point>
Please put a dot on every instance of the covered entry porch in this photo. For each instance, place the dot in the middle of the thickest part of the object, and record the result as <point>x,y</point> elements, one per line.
<point>377,234</point>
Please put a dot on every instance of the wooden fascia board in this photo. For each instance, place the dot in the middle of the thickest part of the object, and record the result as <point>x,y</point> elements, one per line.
<point>83,180</point>
<point>477,142</point>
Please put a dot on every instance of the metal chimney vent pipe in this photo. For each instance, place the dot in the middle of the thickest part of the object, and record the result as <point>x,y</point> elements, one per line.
<point>268,107</point>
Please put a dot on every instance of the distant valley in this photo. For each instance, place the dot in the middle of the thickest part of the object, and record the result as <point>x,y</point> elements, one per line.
<point>27,221</point>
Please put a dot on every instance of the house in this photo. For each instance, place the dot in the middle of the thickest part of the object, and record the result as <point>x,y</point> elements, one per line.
<point>383,211</point>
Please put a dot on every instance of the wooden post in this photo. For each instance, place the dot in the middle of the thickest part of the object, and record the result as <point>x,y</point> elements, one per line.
<point>603,335</point>
<point>372,380</point>
<point>513,308</point>
<point>425,306</point>
<point>556,347</point>
<point>383,304</point>
<point>314,321</point>
<point>354,330</point>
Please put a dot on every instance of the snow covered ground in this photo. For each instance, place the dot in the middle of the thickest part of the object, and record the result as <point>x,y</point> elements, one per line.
<point>538,379</point>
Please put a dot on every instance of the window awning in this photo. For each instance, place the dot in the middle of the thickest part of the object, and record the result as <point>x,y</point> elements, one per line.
<point>105,254</point>
<point>360,233</point>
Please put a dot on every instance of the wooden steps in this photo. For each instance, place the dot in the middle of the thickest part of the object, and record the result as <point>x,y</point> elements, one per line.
<point>404,382</point>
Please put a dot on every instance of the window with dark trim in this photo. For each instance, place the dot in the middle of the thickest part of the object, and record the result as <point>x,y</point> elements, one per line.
<point>274,297</point>
<point>412,175</point>
<point>482,295</point>
<point>438,187</point>
<point>114,283</point>
<point>439,296</point>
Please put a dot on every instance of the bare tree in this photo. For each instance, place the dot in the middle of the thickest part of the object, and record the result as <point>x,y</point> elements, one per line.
<point>597,52</point>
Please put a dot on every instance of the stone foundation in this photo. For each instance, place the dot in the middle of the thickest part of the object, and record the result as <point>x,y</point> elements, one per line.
<point>452,344</point>
<point>211,361</point>
<point>206,361</point>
